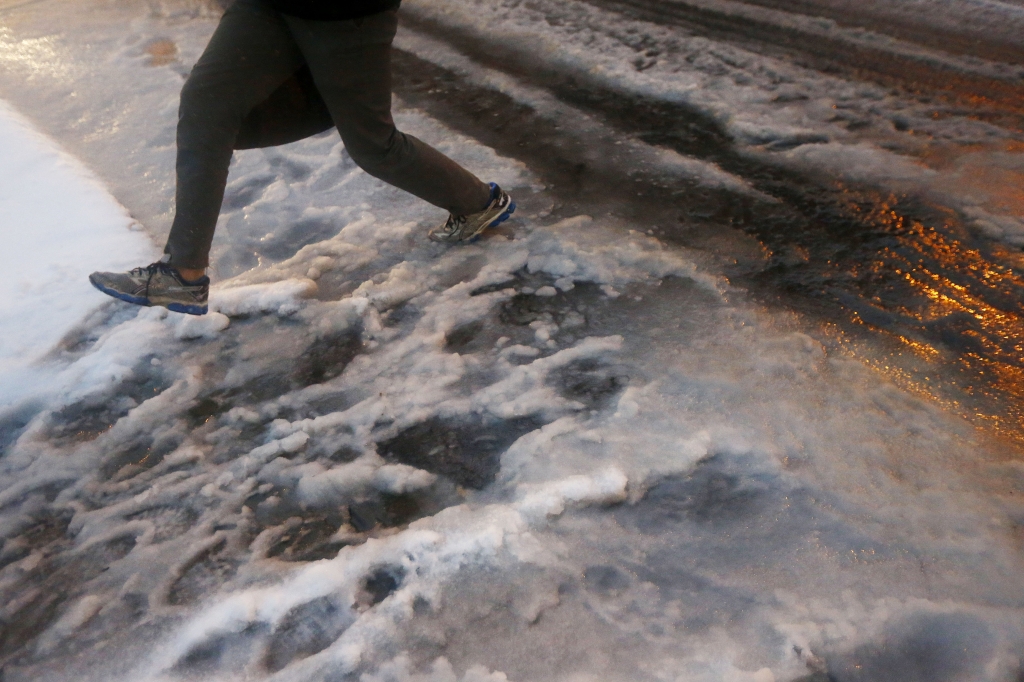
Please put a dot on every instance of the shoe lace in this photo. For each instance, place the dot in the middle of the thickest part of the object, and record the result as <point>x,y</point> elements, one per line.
<point>454,224</point>
<point>151,270</point>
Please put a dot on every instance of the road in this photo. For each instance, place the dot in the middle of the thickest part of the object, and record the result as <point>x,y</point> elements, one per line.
<point>737,396</point>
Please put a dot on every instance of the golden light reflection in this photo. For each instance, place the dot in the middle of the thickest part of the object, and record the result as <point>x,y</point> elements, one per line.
<point>957,317</point>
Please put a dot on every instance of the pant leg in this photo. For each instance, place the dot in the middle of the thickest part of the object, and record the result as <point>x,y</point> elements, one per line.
<point>292,112</point>
<point>250,55</point>
<point>351,65</point>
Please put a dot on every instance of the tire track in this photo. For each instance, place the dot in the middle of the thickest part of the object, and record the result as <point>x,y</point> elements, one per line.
<point>876,268</point>
<point>997,101</point>
<point>887,21</point>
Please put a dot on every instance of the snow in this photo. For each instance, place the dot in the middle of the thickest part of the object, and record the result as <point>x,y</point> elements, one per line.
<point>999,18</point>
<point>983,21</point>
<point>635,152</point>
<point>566,452</point>
<point>773,109</point>
<point>61,224</point>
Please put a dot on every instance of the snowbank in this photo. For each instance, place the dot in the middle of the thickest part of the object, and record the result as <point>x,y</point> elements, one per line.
<point>59,224</point>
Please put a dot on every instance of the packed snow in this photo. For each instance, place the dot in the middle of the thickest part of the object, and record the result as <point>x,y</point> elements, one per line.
<point>60,225</point>
<point>569,451</point>
<point>773,109</point>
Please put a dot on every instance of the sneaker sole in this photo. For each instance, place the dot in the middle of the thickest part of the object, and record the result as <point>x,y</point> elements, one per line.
<point>187,309</point>
<point>144,302</point>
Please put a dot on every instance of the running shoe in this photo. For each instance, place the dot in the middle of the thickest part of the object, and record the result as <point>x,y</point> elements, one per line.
<point>159,284</point>
<point>466,228</point>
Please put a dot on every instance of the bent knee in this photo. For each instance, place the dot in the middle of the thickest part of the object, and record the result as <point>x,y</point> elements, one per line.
<point>371,161</point>
<point>379,157</point>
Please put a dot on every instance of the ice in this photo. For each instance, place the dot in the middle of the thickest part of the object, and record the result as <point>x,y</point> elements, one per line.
<point>634,151</point>
<point>279,297</point>
<point>79,615</point>
<point>989,20</point>
<point>999,17</point>
<point>207,326</point>
<point>569,451</point>
<point>401,670</point>
<point>776,110</point>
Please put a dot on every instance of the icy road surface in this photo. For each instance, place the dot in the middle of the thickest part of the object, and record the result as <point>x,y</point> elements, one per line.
<point>737,396</point>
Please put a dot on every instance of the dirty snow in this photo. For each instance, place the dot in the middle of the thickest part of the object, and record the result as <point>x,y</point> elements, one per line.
<point>565,452</point>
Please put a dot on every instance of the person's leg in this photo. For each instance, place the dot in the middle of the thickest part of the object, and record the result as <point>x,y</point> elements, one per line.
<point>291,113</point>
<point>248,58</point>
<point>351,65</point>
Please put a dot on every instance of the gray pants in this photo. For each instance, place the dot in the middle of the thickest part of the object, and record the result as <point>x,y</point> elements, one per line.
<point>267,79</point>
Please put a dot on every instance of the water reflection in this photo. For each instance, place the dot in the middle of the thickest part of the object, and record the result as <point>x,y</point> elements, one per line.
<point>32,55</point>
<point>949,311</point>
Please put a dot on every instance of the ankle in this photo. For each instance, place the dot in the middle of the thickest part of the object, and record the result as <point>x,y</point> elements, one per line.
<point>190,275</point>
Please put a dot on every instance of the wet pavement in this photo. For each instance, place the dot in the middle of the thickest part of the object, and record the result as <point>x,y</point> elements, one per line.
<point>330,468</point>
<point>893,279</point>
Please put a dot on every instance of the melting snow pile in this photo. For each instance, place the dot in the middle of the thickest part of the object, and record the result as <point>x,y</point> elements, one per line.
<point>388,458</point>
<point>560,453</point>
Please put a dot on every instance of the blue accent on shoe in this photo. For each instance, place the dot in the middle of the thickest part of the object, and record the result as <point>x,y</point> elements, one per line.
<point>128,298</point>
<point>188,309</point>
<point>143,301</point>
